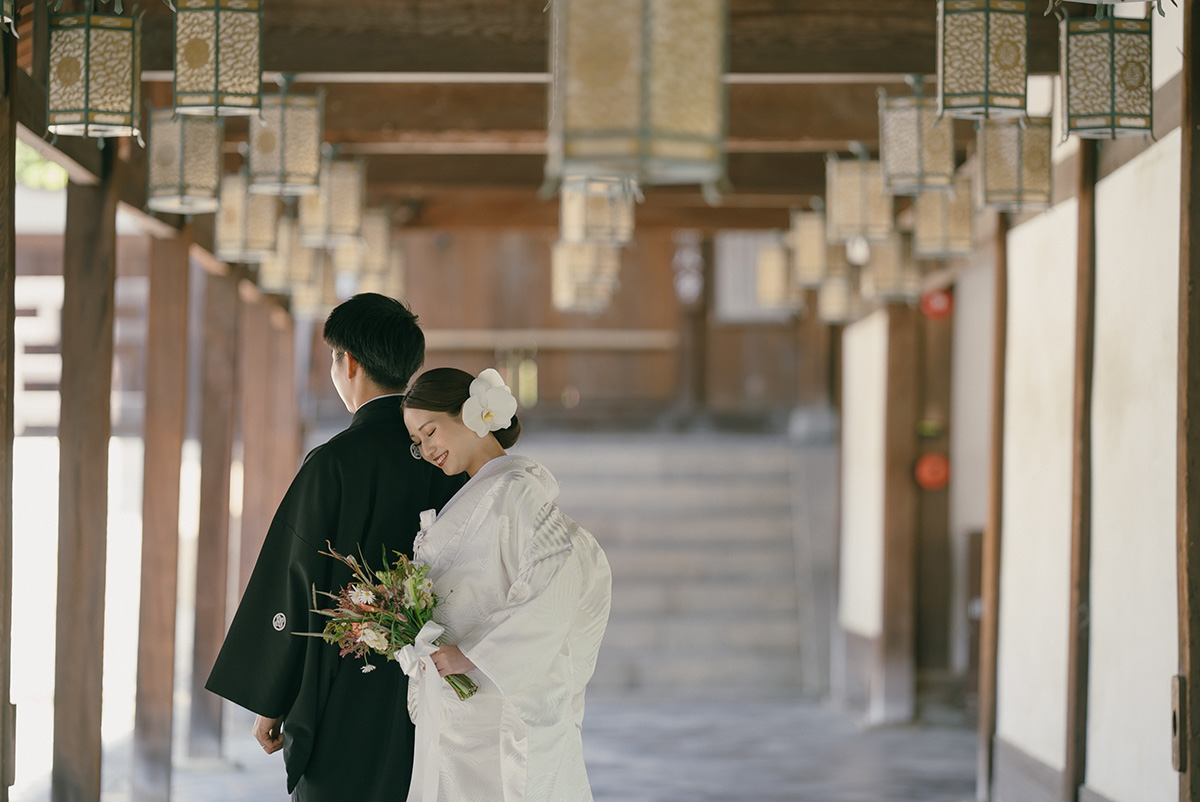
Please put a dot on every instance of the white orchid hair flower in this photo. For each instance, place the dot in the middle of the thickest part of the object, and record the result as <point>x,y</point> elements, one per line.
<point>491,404</point>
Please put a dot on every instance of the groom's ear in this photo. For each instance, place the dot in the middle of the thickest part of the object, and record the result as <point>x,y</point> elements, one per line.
<point>352,365</point>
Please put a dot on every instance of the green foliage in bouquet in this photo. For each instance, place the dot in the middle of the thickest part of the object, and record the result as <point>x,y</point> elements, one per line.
<point>381,612</point>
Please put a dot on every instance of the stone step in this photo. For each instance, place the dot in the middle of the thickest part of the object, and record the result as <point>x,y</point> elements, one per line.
<point>651,494</point>
<point>716,529</point>
<point>650,564</point>
<point>651,634</point>
<point>703,596</point>
<point>690,672</point>
<point>585,457</point>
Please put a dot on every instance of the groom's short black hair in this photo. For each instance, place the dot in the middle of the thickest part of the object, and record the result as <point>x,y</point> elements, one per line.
<point>382,334</point>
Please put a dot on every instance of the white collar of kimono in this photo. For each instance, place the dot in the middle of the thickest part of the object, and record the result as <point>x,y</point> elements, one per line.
<point>489,467</point>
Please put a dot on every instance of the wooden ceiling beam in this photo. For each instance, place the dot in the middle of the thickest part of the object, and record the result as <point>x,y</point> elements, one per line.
<point>493,36</point>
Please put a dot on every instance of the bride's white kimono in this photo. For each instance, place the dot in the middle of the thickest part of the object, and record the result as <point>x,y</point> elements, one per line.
<point>524,591</point>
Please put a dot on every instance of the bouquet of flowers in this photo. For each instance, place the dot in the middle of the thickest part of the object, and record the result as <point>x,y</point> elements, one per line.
<point>382,611</point>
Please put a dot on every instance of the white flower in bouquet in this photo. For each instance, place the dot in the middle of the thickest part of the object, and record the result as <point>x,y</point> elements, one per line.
<point>491,405</point>
<point>374,638</point>
<point>361,595</point>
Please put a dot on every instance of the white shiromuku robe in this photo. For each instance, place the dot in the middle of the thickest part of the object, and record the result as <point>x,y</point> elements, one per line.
<point>524,591</point>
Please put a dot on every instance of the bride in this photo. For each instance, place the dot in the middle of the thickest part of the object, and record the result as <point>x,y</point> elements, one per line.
<point>524,598</point>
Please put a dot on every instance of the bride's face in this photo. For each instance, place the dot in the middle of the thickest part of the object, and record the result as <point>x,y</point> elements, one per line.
<point>445,440</point>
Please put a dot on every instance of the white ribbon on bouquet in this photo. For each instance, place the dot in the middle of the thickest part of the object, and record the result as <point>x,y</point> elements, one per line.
<point>415,660</point>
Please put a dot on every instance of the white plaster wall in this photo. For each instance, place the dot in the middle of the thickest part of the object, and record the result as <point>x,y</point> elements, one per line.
<point>970,428</point>
<point>1036,527</point>
<point>1133,634</point>
<point>864,410</point>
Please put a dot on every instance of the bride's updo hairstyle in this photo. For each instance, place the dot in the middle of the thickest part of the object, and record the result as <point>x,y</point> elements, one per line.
<point>446,390</point>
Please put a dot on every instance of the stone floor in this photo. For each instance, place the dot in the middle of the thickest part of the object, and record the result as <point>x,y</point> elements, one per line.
<point>689,752</point>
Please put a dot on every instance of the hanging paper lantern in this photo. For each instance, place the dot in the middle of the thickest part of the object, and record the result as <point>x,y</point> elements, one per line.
<point>184,163</point>
<point>218,62</point>
<point>247,223</point>
<point>307,280</point>
<point>334,214</point>
<point>1015,163</point>
<point>855,203</point>
<point>638,89</point>
<point>285,144</point>
<point>597,209</point>
<point>274,270</point>
<point>1107,86</point>
<point>891,274</point>
<point>916,147</point>
<point>983,48</point>
<point>95,75</point>
<point>944,222</point>
<point>583,276</point>
<point>774,288</point>
<point>810,251</point>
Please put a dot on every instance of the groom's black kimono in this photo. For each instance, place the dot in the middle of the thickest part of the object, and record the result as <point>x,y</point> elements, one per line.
<point>346,734</point>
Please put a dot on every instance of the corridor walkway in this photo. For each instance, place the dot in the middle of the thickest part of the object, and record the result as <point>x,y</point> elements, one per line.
<point>689,752</point>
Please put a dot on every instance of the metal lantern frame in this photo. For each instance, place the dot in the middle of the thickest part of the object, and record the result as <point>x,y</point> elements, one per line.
<point>275,168</point>
<point>255,222</point>
<point>183,171</point>
<point>597,209</point>
<point>334,214</point>
<point>1015,164</point>
<point>991,38</point>
<point>212,27</point>
<point>1124,48</point>
<point>73,40</point>
<point>916,144</point>
<point>637,90</point>
<point>944,222</point>
<point>855,203</point>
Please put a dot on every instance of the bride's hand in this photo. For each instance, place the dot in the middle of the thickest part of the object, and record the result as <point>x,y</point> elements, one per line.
<point>451,660</point>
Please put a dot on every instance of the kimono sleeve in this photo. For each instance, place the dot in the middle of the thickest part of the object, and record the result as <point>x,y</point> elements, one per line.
<point>262,662</point>
<point>516,644</point>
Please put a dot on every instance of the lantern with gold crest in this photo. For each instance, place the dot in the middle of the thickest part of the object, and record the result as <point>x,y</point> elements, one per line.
<point>95,75</point>
<point>218,57</point>
<point>891,274</point>
<point>916,146</point>
<point>856,205</point>
<point>184,163</point>
<point>983,48</point>
<point>247,223</point>
<point>333,215</point>
<point>944,222</point>
<point>285,144</point>
<point>638,90</point>
<point>1106,76</point>
<point>1015,163</point>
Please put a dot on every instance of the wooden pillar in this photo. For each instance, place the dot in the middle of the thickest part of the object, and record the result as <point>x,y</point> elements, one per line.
<point>89,273</point>
<point>166,413</point>
<point>257,406</point>
<point>285,417</point>
<point>893,695</point>
<point>1187,701</point>
<point>8,135</point>
<point>989,625</point>
<point>1075,764</point>
<point>221,306</point>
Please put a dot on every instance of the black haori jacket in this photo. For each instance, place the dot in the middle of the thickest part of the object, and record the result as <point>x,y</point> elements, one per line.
<point>346,734</point>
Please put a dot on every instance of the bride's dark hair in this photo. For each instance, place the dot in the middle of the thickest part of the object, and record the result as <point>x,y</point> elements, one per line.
<point>445,390</point>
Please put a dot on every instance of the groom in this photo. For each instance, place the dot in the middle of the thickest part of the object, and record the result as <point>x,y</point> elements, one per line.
<point>345,734</point>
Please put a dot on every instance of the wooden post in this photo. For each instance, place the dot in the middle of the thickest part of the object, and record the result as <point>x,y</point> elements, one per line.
<point>1187,712</point>
<point>221,306</point>
<point>257,406</point>
<point>989,625</point>
<point>893,696</point>
<point>285,417</point>
<point>8,137</point>
<point>1075,764</point>
<point>89,273</point>
<point>166,407</point>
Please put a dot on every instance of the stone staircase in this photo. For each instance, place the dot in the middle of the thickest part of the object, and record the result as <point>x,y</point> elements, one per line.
<point>700,531</point>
